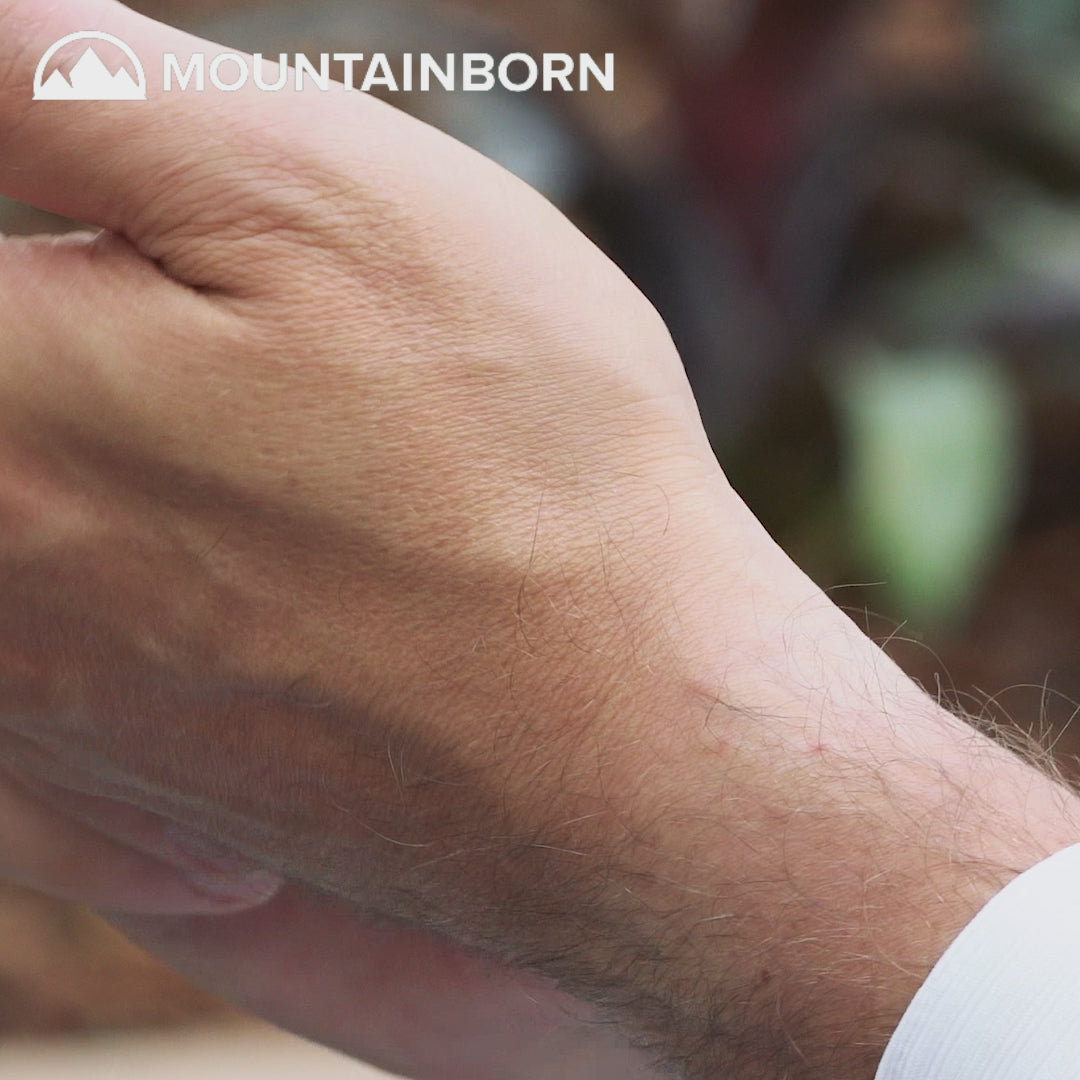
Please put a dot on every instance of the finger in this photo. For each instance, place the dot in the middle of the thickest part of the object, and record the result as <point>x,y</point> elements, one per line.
<point>41,141</point>
<point>214,870</point>
<point>390,994</point>
<point>246,168</point>
<point>138,168</point>
<point>44,849</point>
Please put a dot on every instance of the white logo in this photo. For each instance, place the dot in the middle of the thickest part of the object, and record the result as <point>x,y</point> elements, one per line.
<point>90,79</point>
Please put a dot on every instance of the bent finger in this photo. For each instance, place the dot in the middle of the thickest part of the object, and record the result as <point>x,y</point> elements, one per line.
<point>44,849</point>
<point>389,993</point>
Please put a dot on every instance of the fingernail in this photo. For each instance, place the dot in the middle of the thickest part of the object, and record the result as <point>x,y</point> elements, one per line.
<point>254,887</point>
<point>216,870</point>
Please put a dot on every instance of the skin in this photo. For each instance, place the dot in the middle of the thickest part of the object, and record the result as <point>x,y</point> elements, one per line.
<point>383,645</point>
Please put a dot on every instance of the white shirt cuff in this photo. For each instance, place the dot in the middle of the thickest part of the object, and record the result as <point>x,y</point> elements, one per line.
<point>1003,1002</point>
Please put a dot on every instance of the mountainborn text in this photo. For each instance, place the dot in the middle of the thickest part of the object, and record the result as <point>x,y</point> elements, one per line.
<point>516,72</point>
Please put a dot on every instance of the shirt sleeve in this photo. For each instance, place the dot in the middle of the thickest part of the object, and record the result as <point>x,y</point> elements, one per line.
<point>1003,1002</point>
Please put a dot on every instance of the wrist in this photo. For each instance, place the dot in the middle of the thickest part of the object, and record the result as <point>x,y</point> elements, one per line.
<point>820,829</point>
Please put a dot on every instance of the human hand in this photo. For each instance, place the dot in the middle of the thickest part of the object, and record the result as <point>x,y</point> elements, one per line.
<point>260,560</point>
<point>250,483</point>
<point>356,515</point>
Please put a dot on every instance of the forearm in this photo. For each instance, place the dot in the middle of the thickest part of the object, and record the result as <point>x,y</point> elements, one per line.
<point>852,828</point>
<point>806,835</point>
<point>813,834</point>
<point>697,796</point>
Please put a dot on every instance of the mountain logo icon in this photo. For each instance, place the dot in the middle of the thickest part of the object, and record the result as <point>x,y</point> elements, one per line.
<point>90,79</point>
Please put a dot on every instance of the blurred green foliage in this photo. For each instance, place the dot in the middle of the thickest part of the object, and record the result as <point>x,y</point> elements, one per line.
<point>933,446</point>
<point>965,310</point>
<point>1035,22</point>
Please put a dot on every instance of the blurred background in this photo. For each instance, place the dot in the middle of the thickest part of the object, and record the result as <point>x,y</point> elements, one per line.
<point>862,224</point>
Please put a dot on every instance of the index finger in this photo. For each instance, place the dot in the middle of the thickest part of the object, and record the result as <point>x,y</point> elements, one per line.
<point>175,168</point>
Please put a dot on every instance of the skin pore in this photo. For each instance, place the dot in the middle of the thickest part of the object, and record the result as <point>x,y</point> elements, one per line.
<point>360,541</point>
